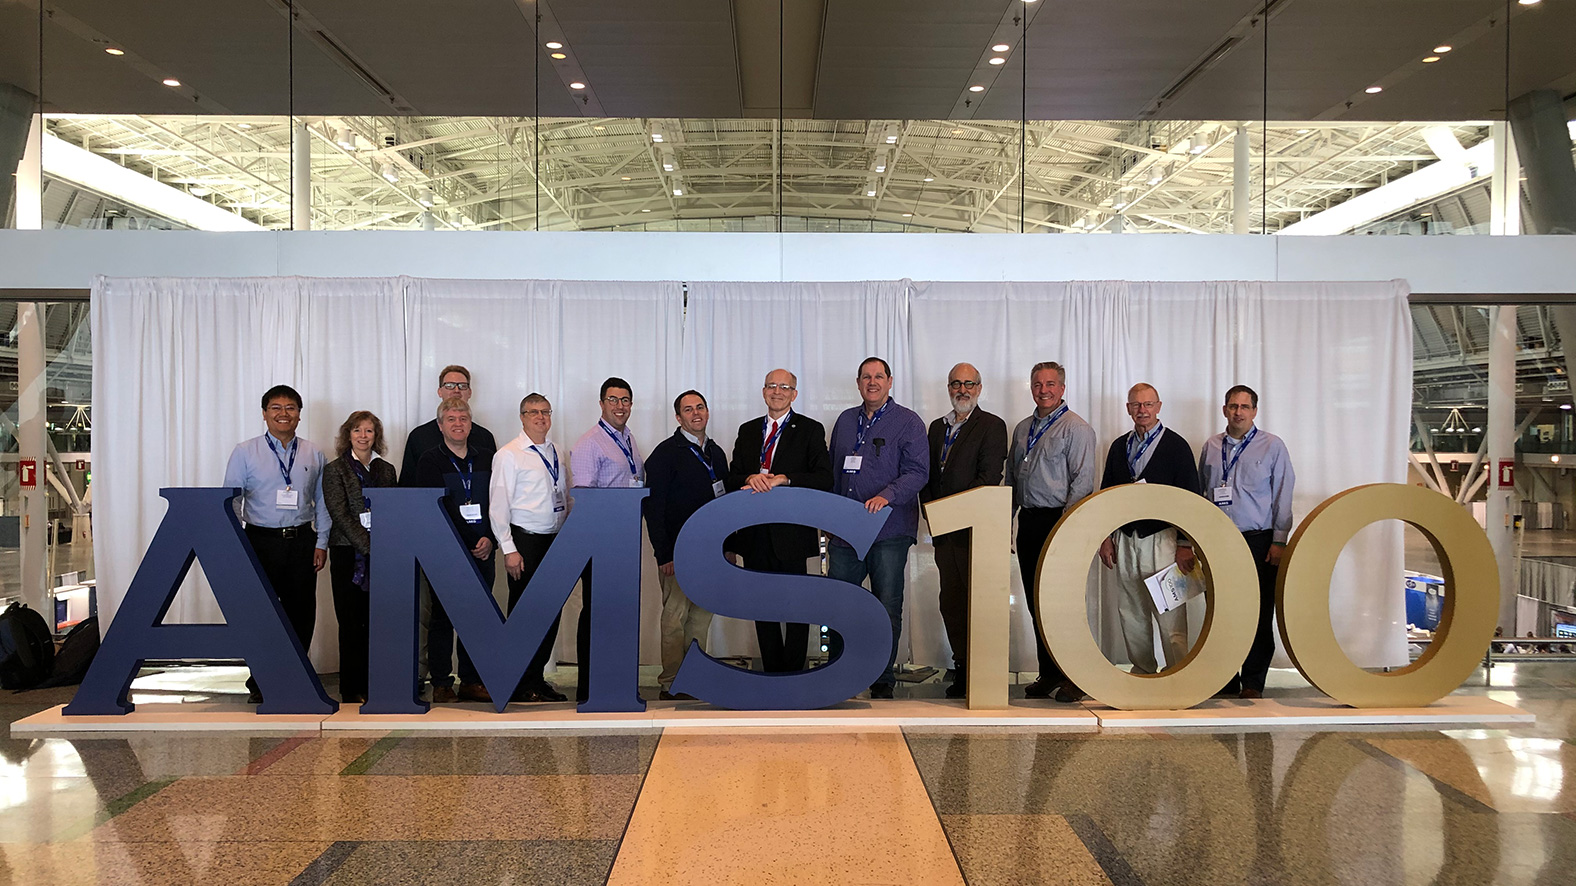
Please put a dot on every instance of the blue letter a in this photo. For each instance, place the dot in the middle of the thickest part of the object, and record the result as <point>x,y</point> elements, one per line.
<point>411,530</point>
<point>201,524</point>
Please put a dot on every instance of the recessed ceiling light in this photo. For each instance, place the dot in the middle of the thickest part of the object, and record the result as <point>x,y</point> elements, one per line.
<point>558,55</point>
<point>1528,2</point>
<point>678,192</point>
<point>1565,406</point>
<point>243,126</point>
<point>1372,90</point>
<point>881,168</point>
<point>113,51</point>
<point>554,44</point>
<point>908,215</point>
<point>656,136</point>
<point>998,60</point>
<point>577,85</point>
<point>891,139</point>
<point>171,81</point>
<point>976,89</point>
<point>1443,48</point>
<point>1303,131</point>
<point>929,179</point>
<point>598,128</point>
<point>667,167</point>
<point>957,132</point>
<point>624,177</point>
<point>1000,47</point>
<point>1431,59</point>
<point>873,193</point>
<point>645,210</point>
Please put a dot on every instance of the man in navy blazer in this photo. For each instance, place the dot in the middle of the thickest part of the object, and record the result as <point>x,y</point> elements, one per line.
<point>780,448</point>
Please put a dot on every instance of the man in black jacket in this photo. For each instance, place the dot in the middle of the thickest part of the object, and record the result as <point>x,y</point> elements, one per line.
<point>685,471</point>
<point>968,448</point>
<point>780,448</point>
<point>1150,453</point>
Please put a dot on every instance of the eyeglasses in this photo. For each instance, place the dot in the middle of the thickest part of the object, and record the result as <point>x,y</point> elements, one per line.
<point>774,386</point>
<point>1144,404</point>
<point>618,401</point>
<point>545,413</point>
<point>955,384</point>
<point>456,386</point>
<point>287,408</point>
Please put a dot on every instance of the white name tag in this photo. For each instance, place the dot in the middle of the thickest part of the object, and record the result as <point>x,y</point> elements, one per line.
<point>1221,495</point>
<point>716,489</point>
<point>471,513</point>
<point>287,499</point>
<point>635,483</point>
<point>851,464</point>
<point>366,519</point>
<point>558,500</point>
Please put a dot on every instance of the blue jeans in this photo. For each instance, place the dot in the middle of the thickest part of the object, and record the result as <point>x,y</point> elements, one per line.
<point>885,565</point>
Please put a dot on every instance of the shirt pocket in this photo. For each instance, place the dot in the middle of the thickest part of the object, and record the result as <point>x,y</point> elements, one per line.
<point>1055,447</point>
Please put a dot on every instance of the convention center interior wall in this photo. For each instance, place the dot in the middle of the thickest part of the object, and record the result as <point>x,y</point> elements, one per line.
<point>180,361</point>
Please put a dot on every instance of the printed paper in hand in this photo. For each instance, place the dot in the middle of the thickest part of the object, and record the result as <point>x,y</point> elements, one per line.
<point>1171,587</point>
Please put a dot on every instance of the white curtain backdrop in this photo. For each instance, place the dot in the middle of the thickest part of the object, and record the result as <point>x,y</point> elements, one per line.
<point>179,365</point>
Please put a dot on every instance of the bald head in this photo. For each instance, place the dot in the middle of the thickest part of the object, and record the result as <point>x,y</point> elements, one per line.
<point>963,388</point>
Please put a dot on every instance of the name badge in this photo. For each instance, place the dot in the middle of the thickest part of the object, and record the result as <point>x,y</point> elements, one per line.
<point>634,483</point>
<point>287,499</point>
<point>558,500</point>
<point>851,464</point>
<point>366,519</point>
<point>1221,495</point>
<point>471,513</point>
<point>716,489</point>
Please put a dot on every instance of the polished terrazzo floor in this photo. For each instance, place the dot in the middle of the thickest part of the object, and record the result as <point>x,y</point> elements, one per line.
<point>825,806</point>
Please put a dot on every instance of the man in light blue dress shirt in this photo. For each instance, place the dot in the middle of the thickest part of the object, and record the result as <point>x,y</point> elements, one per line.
<point>1247,472</point>
<point>280,477</point>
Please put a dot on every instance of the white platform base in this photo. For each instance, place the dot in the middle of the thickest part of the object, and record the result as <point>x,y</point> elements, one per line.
<point>1268,713</point>
<point>1314,713</point>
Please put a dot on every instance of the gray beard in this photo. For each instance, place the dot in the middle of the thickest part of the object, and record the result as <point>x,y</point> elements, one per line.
<point>961,410</point>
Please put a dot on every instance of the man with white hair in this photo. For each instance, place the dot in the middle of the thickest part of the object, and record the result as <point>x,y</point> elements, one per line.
<point>968,448</point>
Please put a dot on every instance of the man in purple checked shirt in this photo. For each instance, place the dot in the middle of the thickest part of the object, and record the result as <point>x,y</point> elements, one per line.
<point>880,457</point>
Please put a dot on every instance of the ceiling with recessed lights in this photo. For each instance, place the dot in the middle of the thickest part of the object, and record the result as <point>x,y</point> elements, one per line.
<point>836,59</point>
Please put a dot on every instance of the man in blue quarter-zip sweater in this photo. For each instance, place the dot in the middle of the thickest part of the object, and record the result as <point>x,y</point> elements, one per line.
<point>684,472</point>
<point>880,458</point>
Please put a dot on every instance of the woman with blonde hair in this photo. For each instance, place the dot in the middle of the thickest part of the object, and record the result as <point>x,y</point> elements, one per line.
<point>345,481</point>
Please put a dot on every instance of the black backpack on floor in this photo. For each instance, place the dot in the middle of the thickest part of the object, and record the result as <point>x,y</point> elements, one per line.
<point>27,651</point>
<point>75,655</point>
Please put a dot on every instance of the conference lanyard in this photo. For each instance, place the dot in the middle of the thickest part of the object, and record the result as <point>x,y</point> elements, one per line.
<point>465,474</point>
<point>862,429</point>
<point>1034,436</point>
<point>1134,458</point>
<point>284,469</point>
<point>552,469</point>
<point>766,423</point>
<point>366,480</point>
<point>703,460</point>
<point>950,438</point>
<point>629,454</point>
<point>1228,464</point>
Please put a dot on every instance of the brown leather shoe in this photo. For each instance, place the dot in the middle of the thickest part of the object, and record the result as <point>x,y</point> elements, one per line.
<point>474,692</point>
<point>1041,688</point>
<point>443,695</point>
<point>1250,693</point>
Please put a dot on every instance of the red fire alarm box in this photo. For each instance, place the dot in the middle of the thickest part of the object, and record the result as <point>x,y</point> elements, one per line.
<point>27,471</point>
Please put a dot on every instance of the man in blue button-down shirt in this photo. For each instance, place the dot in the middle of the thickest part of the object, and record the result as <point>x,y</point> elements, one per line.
<point>280,477</point>
<point>881,458</point>
<point>1247,472</point>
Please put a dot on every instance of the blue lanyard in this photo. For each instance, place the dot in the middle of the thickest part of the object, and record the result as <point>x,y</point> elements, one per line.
<point>465,473</point>
<point>1228,464</point>
<point>766,446</point>
<point>284,469</point>
<point>703,460</point>
<point>552,469</point>
<point>1034,436</point>
<point>629,454</point>
<point>950,438</point>
<point>1132,457</point>
<point>862,429</point>
<point>366,480</point>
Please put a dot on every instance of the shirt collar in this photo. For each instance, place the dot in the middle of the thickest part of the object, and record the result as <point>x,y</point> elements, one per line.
<point>692,438</point>
<point>951,418</point>
<point>1237,441</point>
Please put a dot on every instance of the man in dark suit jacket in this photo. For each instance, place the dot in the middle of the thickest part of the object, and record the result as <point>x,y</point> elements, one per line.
<point>780,448</point>
<point>1150,453</point>
<point>968,448</point>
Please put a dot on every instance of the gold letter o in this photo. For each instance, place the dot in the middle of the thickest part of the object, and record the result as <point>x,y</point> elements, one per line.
<point>1302,596</point>
<point>1231,588</point>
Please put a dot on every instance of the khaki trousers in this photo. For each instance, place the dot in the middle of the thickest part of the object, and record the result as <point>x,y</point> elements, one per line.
<point>682,621</point>
<point>1137,559</point>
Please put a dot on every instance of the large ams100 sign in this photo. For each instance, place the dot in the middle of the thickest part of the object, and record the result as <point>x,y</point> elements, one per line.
<point>413,533</point>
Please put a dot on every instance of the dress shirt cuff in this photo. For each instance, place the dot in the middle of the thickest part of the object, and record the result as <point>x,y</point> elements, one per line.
<point>1280,536</point>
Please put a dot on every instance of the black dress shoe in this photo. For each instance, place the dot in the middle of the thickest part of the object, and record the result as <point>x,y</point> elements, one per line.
<point>665,695</point>
<point>354,698</point>
<point>254,696</point>
<point>881,690</point>
<point>1041,688</point>
<point>957,689</point>
<point>545,692</point>
<point>1067,693</point>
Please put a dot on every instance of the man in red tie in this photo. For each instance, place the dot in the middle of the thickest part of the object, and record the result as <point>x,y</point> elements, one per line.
<point>780,448</point>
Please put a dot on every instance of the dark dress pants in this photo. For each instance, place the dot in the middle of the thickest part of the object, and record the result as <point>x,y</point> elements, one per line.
<point>532,547</point>
<point>952,566</point>
<point>287,562</point>
<point>1034,527</point>
<point>350,607</point>
<point>583,638</point>
<point>1257,665</point>
<point>784,647</point>
<point>441,638</point>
